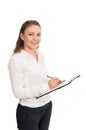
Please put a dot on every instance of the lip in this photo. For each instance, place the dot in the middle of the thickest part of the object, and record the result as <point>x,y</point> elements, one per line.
<point>33,43</point>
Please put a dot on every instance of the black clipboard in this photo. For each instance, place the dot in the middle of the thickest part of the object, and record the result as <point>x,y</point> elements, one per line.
<point>59,86</point>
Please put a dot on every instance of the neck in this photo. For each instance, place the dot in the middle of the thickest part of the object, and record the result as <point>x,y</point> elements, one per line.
<point>30,50</point>
<point>33,52</point>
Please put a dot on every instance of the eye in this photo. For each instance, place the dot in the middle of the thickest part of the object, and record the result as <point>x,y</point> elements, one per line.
<point>39,34</point>
<point>30,34</point>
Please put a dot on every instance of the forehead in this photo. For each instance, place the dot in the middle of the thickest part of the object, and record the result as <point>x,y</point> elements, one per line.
<point>33,28</point>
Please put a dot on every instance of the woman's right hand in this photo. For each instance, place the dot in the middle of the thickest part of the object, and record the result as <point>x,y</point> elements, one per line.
<point>54,82</point>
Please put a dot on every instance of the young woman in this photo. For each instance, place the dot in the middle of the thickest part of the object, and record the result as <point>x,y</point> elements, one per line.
<point>28,75</point>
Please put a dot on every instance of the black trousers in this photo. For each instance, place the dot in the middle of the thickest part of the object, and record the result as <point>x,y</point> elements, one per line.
<point>33,118</point>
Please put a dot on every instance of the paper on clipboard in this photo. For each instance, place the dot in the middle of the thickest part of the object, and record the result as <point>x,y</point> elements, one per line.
<point>67,82</point>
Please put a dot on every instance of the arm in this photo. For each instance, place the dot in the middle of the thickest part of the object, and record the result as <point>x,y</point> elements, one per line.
<point>18,85</point>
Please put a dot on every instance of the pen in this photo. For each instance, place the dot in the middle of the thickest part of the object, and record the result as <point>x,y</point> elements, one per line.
<point>52,77</point>
<point>49,76</point>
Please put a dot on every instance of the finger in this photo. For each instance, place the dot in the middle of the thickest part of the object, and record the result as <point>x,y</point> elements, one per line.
<point>61,81</point>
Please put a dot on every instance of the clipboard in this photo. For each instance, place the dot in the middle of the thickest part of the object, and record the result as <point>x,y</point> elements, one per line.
<point>59,86</point>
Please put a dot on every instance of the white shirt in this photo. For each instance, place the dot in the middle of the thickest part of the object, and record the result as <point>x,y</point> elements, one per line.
<point>29,78</point>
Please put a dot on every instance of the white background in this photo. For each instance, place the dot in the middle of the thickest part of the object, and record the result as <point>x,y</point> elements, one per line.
<point>63,45</point>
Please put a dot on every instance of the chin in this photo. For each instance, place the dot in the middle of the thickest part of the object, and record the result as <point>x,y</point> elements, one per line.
<point>36,47</point>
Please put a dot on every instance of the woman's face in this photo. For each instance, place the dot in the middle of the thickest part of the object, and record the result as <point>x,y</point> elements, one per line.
<point>31,37</point>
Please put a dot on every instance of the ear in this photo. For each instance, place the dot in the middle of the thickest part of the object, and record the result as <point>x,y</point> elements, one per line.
<point>21,36</point>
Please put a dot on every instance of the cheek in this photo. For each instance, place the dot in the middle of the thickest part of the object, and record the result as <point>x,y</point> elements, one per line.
<point>39,39</point>
<point>27,39</point>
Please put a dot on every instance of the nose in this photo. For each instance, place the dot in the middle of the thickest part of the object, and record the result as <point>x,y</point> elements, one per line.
<point>34,37</point>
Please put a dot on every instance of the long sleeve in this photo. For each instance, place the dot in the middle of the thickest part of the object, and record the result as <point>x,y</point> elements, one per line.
<point>20,82</point>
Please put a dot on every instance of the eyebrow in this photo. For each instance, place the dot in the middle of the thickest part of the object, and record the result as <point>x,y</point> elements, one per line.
<point>34,32</point>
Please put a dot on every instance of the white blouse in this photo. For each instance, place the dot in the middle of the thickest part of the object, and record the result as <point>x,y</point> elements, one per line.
<point>29,78</point>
